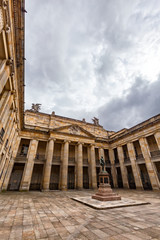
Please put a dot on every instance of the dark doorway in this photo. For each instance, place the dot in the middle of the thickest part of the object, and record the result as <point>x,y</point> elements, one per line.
<point>130,178</point>
<point>145,177</point>
<point>157,164</point>
<point>37,174</point>
<point>16,176</point>
<point>97,172</point>
<point>110,177</point>
<point>54,179</point>
<point>85,178</point>
<point>71,177</point>
<point>119,178</point>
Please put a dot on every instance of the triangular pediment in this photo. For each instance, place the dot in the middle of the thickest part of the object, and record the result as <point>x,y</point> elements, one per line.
<point>73,130</point>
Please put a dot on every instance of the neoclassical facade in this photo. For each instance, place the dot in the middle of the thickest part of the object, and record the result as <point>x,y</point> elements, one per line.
<point>41,151</point>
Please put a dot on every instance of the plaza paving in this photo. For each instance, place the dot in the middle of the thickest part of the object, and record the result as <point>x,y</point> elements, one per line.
<point>54,215</point>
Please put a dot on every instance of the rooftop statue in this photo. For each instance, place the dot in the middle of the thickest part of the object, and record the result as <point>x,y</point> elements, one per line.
<point>95,121</point>
<point>36,107</point>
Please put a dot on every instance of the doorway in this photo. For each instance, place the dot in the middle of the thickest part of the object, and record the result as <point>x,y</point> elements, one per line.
<point>71,177</point>
<point>16,177</point>
<point>54,179</point>
<point>36,180</point>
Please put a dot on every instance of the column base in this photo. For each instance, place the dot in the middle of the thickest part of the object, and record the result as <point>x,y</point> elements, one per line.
<point>45,190</point>
<point>64,188</point>
<point>24,188</point>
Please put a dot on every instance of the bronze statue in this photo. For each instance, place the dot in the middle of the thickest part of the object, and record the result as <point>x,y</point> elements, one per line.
<point>102,163</point>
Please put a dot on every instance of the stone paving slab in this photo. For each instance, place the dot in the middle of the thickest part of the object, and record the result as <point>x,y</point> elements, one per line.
<point>101,205</point>
<point>55,216</point>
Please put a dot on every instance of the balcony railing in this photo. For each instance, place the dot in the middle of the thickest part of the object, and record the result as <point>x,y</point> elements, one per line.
<point>71,160</point>
<point>139,157</point>
<point>155,154</point>
<point>21,157</point>
<point>40,157</point>
<point>108,163</point>
<point>56,158</point>
<point>116,160</point>
<point>126,160</point>
<point>85,160</point>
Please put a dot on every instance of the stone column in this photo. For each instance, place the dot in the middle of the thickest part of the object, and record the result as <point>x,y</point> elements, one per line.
<point>16,143</point>
<point>27,174</point>
<point>157,137</point>
<point>135,167</point>
<point>48,165</point>
<point>80,166</point>
<point>89,166</point>
<point>113,168</point>
<point>64,166</point>
<point>150,167</point>
<point>93,167</point>
<point>123,168</point>
<point>101,153</point>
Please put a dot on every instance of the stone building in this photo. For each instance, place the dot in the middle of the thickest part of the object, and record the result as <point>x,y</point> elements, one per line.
<point>41,151</point>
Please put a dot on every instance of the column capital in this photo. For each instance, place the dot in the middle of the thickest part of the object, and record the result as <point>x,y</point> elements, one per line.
<point>51,138</point>
<point>65,141</point>
<point>92,145</point>
<point>34,139</point>
<point>158,131</point>
<point>80,143</point>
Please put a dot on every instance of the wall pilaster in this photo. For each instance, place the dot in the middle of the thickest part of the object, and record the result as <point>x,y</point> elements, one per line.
<point>113,168</point>
<point>135,168</point>
<point>150,167</point>
<point>27,174</point>
<point>123,168</point>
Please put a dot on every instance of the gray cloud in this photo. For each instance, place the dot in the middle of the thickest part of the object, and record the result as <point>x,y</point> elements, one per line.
<point>83,58</point>
<point>140,103</point>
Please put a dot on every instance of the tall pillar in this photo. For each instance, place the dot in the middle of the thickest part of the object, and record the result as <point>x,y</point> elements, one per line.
<point>101,153</point>
<point>8,155</point>
<point>16,143</point>
<point>93,167</point>
<point>123,168</point>
<point>6,138</point>
<point>113,168</point>
<point>157,137</point>
<point>135,167</point>
<point>48,165</point>
<point>80,166</point>
<point>89,166</point>
<point>27,174</point>
<point>150,167</point>
<point>64,166</point>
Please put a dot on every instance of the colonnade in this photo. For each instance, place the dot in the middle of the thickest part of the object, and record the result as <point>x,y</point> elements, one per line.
<point>151,169</point>
<point>32,151</point>
<point>27,174</point>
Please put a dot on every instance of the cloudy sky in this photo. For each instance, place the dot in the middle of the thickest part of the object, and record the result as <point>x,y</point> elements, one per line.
<point>89,58</point>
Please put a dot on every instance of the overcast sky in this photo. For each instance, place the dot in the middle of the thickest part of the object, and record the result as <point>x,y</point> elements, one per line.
<point>99,58</point>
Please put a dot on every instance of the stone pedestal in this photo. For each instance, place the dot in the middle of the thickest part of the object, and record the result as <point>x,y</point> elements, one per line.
<point>105,192</point>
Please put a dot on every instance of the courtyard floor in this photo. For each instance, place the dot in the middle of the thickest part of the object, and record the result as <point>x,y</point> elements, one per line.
<point>54,215</point>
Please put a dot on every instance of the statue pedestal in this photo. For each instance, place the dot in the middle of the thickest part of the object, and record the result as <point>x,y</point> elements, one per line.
<point>105,192</point>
